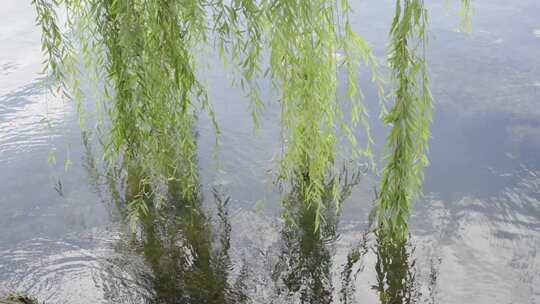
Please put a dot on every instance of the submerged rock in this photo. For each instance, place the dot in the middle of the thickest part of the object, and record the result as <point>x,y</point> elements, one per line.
<point>15,298</point>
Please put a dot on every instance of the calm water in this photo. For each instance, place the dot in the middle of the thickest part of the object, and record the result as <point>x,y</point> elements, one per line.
<point>475,234</point>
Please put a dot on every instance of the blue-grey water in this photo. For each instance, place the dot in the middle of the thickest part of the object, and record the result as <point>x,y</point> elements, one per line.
<point>476,229</point>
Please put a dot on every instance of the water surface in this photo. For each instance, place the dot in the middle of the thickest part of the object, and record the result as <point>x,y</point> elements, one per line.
<point>475,233</point>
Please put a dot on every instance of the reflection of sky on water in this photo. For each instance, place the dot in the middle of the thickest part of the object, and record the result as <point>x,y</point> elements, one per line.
<point>27,114</point>
<point>488,246</point>
<point>28,119</point>
<point>34,124</point>
<point>481,215</point>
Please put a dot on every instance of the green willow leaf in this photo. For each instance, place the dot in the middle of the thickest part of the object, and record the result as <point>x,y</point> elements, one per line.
<point>140,57</point>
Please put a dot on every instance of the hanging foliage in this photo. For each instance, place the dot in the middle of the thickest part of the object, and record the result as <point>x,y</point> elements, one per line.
<point>309,41</point>
<point>409,117</point>
<point>142,52</point>
<point>140,55</point>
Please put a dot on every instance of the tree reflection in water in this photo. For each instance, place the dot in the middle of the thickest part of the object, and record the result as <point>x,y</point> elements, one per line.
<point>303,270</point>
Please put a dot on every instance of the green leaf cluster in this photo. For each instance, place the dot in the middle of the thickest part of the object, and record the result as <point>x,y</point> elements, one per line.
<point>409,118</point>
<point>141,56</point>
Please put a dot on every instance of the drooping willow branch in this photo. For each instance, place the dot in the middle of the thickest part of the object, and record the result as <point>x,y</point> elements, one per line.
<point>409,118</point>
<point>307,40</point>
<point>142,53</point>
<point>466,16</point>
<point>145,49</point>
<point>145,52</point>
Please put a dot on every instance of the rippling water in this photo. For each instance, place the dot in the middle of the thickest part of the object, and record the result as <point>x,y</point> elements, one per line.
<point>475,235</point>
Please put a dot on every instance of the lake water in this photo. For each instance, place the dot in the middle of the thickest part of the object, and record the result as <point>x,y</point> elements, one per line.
<point>475,235</point>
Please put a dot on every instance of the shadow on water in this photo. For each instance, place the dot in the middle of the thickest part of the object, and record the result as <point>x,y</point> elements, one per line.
<point>392,266</point>
<point>397,278</point>
<point>396,282</point>
<point>303,272</point>
<point>185,251</point>
<point>188,265</point>
<point>181,253</point>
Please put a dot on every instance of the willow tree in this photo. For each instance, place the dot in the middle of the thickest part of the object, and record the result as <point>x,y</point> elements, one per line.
<point>410,116</point>
<point>144,50</point>
<point>141,54</point>
<point>310,42</point>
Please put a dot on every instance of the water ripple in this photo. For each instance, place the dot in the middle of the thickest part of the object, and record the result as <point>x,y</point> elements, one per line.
<point>77,269</point>
<point>30,118</point>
